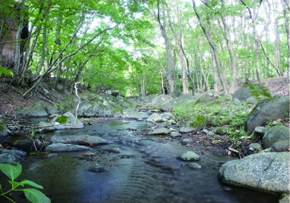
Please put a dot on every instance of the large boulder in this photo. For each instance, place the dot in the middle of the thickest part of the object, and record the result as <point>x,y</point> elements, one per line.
<point>267,110</point>
<point>265,171</point>
<point>258,91</point>
<point>274,134</point>
<point>60,122</point>
<point>91,105</point>
<point>38,110</point>
<point>161,100</point>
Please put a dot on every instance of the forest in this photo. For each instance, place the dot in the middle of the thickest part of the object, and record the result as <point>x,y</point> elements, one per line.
<point>144,47</point>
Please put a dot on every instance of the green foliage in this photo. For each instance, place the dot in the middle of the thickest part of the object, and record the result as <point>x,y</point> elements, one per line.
<point>5,71</point>
<point>259,91</point>
<point>61,119</point>
<point>12,171</point>
<point>199,121</point>
<point>216,113</point>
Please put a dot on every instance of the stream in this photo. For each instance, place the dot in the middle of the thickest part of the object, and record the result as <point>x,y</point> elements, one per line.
<point>145,170</point>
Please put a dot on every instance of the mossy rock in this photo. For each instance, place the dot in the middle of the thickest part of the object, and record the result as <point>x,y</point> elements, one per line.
<point>257,91</point>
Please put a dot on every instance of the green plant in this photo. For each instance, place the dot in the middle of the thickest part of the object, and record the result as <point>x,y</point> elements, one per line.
<point>12,171</point>
<point>61,119</point>
<point>5,71</point>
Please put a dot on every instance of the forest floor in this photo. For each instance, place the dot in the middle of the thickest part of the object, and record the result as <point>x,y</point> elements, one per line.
<point>11,98</point>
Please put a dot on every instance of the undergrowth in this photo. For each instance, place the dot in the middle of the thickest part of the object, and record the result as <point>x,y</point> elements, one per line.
<point>214,114</point>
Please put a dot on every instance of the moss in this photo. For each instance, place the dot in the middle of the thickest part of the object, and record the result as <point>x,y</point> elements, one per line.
<point>199,121</point>
<point>61,119</point>
<point>258,90</point>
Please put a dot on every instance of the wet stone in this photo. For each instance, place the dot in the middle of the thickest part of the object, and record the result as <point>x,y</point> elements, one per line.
<point>99,169</point>
<point>175,134</point>
<point>194,165</point>
<point>186,141</point>
<point>189,156</point>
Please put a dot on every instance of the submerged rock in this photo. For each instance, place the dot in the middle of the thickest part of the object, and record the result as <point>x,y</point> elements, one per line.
<point>60,147</point>
<point>194,165</point>
<point>11,155</point>
<point>78,139</point>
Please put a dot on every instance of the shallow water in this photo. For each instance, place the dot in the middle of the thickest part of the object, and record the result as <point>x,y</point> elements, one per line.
<point>146,170</point>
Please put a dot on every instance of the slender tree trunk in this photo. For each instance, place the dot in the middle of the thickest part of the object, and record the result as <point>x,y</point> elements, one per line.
<point>169,67</point>
<point>213,49</point>
<point>286,4</point>
<point>231,53</point>
<point>17,56</point>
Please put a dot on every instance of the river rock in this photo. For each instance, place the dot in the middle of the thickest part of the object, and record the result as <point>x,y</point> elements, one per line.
<point>266,110</point>
<point>133,114</point>
<point>67,121</point>
<point>186,141</point>
<point>187,130</point>
<point>194,165</point>
<point>255,147</point>
<point>281,146</point>
<point>11,155</point>
<point>274,134</point>
<point>61,147</point>
<point>160,131</point>
<point>167,116</point>
<point>161,100</point>
<point>189,156</point>
<point>79,139</point>
<point>175,134</point>
<point>10,158</point>
<point>38,110</point>
<point>252,91</point>
<point>155,118</point>
<point>260,130</point>
<point>265,171</point>
<point>284,198</point>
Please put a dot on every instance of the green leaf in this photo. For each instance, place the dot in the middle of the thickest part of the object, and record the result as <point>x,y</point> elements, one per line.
<point>11,170</point>
<point>5,71</point>
<point>34,195</point>
<point>31,183</point>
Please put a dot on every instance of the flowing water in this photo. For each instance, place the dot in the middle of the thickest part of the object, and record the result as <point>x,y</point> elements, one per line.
<point>145,170</point>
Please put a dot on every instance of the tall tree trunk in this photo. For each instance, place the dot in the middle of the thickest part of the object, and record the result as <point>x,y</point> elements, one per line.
<point>213,48</point>
<point>17,56</point>
<point>230,50</point>
<point>256,39</point>
<point>286,4</point>
<point>169,67</point>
